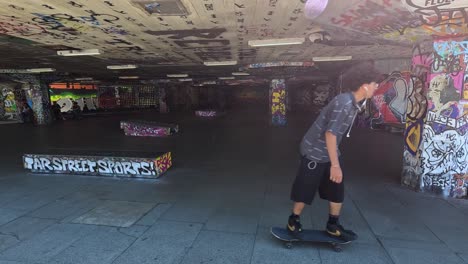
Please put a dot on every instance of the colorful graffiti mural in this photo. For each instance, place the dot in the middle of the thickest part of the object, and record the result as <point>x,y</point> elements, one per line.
<point>8,105</point>
<point>444,155</point>
<point>392,96</point>
<point>407,20</point>
<point>416,111</point>
<point>136,167</point>
<point>86,98</point>
<point>278,102</point>
<point>163,163</point>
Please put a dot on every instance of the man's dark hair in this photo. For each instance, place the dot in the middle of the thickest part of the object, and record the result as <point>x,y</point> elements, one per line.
<point>359,74</point>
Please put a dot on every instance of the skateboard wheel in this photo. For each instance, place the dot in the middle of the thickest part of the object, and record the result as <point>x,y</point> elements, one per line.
<point>288,245</point>
<point>337,248</point>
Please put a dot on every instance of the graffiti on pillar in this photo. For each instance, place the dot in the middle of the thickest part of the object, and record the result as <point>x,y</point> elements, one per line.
<point>442,92</point>
<point>8,105</point>
<point>452,117</point>
<point>444,151</point>
<point>278,102</point>
<point>464,92</point>
<point>445,156</point>
<point>36,96</point>
<point>416,109</point>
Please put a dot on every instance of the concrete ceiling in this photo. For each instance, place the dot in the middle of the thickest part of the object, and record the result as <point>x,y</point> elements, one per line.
<point>177,36</point>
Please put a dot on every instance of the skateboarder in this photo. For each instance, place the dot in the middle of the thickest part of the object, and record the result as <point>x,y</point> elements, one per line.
<point>320,163</point>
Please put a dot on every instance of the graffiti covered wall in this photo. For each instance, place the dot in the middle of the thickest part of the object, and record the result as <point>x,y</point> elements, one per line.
<point>128,96</point>
<point>9,110</point>
<point>36,96</point>
<point>415,115</point>
<point>445,139</point>
<point>436,152</point>
<point>391,97</point>
<point>305,96</point>
<point>65,98</point>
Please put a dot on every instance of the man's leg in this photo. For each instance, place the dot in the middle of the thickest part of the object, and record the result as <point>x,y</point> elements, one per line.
<point>334,227</point>
<point>298,207</point>
<point>335,208</point>
<point>294,221</point>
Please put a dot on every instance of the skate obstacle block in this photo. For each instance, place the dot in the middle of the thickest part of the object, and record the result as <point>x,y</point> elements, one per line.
<point>111,163</point>
<point>141,128</point>
<point>208,113</point>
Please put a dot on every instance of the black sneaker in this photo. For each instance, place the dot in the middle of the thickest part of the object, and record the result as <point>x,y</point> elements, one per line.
<point>294,225</point>
<point>337,230</point>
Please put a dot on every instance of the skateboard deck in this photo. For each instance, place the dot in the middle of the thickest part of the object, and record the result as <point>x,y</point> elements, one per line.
<point>318,236</point>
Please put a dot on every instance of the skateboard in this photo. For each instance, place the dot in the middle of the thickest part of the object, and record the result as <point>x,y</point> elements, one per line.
<point>308,236</point>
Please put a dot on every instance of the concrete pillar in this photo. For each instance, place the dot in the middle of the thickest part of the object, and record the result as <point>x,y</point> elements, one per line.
<point>440,163</point>
<point>278,101</point>
<point>37,96</point>
<point>8,102</point>
<point>162,99</point>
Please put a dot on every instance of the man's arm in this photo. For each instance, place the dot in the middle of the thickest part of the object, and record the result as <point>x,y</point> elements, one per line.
<point>336,175</point>
<point>330,140</point>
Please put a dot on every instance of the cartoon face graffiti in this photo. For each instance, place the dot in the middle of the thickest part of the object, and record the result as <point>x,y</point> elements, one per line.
<point>444,153</point>
<point>321,95</point>
<point>442,91</point>
<point>438,84</point>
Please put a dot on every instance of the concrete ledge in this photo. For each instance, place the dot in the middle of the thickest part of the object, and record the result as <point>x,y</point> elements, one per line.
<point>148,128</point>
<point>208,113</point>
<point>114,164</point>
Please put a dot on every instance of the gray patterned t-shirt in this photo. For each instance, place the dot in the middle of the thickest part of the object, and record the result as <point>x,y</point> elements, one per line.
<point>337,117</point>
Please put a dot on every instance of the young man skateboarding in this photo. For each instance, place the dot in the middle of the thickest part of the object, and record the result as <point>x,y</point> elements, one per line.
<point>320,163</point>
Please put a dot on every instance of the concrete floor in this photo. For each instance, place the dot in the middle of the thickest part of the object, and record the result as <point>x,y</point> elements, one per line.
<point>230,183</point>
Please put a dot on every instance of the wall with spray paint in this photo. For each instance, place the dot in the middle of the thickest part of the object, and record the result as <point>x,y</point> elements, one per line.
<point>309,97</point>
<point>445,138</point>
<point>128,96</point>
<point>416,111</point>
<point>9,106</point>
<point>440,161</point>
<point>35,94</point>
<point>390,100</point>
<point>66,97</point>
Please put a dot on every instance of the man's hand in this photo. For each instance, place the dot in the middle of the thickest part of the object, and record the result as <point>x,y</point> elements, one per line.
<point>336,175</point>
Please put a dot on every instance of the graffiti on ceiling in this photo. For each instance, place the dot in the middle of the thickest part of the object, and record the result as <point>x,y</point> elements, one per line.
<point>183,32</point>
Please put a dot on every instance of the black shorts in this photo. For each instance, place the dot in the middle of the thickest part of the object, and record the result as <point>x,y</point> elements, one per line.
<point>312,176</point>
